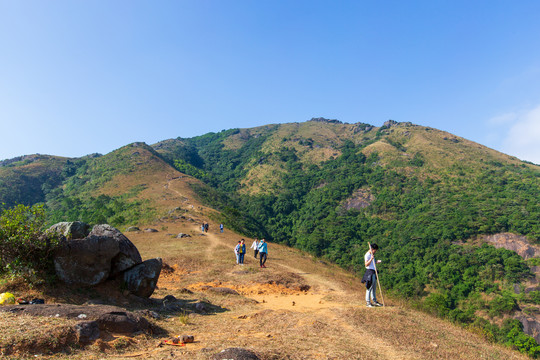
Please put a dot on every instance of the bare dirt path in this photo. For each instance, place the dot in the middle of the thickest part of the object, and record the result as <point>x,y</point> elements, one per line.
<point>326,284</point>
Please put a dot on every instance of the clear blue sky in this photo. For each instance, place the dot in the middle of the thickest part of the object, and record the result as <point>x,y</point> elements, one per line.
<point>78,77</point>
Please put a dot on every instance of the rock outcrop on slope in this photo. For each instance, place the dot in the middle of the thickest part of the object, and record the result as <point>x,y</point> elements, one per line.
<point>523,247</point>
<point>104,254</point>
<point>513,242</point>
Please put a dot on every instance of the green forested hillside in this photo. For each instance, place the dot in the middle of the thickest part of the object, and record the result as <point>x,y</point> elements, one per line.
<point>76,189</point>
<point>328,188</point>
<point>424,192</point>
<point>84,194</point>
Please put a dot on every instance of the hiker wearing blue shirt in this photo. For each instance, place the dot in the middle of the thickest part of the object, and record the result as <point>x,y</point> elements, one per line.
<point>221,227</point>
<point>263,252</point>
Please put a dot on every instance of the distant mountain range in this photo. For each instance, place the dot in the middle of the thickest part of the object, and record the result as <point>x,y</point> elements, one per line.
<point>427,197</point>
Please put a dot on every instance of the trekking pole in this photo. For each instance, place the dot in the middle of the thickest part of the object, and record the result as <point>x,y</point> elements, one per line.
<point>376,272</point>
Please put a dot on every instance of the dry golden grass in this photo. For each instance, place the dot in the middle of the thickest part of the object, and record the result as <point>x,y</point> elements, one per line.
<point>260,179</point>
<point>236,141</point>
<point>19,333</point>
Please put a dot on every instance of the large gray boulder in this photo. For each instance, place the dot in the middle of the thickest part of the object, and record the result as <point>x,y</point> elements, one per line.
<point>71,230</point>
<point>85,261</point>
<point>104,253</point>
<point>127,256</point>
<point>142,279</point>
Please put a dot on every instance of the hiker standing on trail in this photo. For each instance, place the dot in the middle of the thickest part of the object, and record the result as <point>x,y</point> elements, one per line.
<point>221,227</point>
<point>237,253</point>
<point>255,247</point>
<point>206,227</point>
<point>241,251</point>
<point>370,277</point>
<point>202,227</point>
<point>263,253</point>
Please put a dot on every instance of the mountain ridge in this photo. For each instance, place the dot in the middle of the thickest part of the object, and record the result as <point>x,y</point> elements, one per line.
<point>423,193</point>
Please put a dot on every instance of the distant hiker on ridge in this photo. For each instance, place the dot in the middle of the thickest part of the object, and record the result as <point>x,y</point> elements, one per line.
<point>370,277</point>
<point>255,247</point>
<point>221,227</point>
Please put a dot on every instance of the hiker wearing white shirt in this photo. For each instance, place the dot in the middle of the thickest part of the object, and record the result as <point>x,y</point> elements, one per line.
<point>236,252</point>
<point>370,277</point>
<point>255,247</point>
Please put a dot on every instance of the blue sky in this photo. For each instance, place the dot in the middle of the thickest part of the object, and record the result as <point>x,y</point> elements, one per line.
<point>78,77</point>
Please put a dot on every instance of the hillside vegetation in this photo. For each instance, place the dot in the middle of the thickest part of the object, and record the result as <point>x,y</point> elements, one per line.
<point>27,179</point>
<point>327,188</point>
<point>420,193</point>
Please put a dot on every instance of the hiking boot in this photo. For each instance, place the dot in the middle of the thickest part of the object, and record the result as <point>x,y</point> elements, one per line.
<point>376,303</point>
<point>369,305</point>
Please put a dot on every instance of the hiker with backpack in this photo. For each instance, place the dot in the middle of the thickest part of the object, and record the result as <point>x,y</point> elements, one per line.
<point>240,250</point>
<point>371,276</point>
<point>263,253</point>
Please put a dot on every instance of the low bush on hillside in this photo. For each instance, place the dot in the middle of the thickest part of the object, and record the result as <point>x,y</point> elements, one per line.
<point>24,251</point>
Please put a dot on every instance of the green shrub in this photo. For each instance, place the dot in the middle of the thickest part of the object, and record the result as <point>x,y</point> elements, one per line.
<point>502,304</point>
<point>437,304</point>
<point>23,248</point>
<point>519,340</point>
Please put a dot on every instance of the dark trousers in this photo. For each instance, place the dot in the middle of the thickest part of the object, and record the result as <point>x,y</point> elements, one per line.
<point>255,253</point>
<point>262,258</point>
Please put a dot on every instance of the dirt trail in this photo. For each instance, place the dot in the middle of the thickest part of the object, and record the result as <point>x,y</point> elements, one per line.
<point>314,301</point>
<point>326,285</point>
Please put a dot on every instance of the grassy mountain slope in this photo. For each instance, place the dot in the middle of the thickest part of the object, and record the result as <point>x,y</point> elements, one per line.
<point>26,179</point>
<point>131,185</point>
